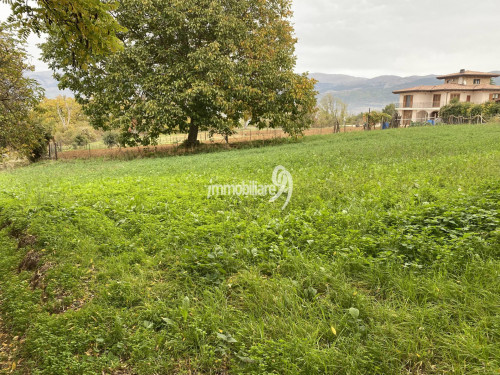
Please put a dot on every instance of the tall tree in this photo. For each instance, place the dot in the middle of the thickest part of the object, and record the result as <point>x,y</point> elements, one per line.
<point>18,97</point>
<point>61,113</point>
<point>332,112</point>
<point>390,109</point>
<point>194,64</point>
<point>86,29</point>
<point>374,117</point>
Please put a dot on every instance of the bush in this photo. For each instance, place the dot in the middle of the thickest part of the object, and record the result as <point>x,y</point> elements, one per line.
<point>491,109</point>
<point>487,110</point>
<point>111,139</point>
<point>80,140</point>
<point>37,147</point>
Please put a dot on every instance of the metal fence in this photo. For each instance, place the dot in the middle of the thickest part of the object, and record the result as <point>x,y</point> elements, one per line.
<point>168,143</point>
<point>419,105</point>
<point>60,150</point>
<point>451,120</point>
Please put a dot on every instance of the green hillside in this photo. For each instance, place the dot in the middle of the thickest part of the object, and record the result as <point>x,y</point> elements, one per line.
<point>386,260</point>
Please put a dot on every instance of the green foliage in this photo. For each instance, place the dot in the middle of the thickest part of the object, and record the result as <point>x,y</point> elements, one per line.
<point>491,109</point>
<point>355,119</point>
<point>63,116</point>
<point>385,262</point>
<point>459,109</point>
<point>374,118</point>
<point>390,110</point>
<point>332,112</point>
<point>111,139</point>
<point>19,96</point>
<point>80,140</point>
<point>85,29</point>
<point>194,66</point>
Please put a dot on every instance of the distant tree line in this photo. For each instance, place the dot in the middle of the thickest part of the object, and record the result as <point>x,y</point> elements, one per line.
<point>333,112</point>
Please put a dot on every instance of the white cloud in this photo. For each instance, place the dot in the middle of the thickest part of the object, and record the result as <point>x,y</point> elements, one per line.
<point>374,37</point>
<point>404,37</point>
<point>31,46</point>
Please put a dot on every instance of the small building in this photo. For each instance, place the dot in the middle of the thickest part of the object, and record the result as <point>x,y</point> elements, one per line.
<point>422,103</point>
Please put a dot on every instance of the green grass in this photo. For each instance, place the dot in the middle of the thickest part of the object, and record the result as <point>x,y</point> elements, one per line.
<point>131,269</point>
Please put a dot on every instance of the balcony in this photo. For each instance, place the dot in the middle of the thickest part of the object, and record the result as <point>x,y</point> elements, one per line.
<point>419,105</point>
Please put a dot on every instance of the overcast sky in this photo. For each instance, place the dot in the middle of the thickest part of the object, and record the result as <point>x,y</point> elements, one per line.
<point>368,38</point>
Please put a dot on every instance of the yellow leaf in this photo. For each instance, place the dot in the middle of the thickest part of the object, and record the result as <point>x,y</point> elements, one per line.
<point>14,366</point>
<point>334,330</point>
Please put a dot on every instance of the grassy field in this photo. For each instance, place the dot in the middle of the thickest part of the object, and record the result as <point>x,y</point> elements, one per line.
<point>386,260</point>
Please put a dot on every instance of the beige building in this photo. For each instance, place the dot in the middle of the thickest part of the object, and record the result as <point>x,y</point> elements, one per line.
<point>422,103</point>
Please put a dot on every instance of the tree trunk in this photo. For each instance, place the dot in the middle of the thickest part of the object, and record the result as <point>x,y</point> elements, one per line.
<point>192,135</point>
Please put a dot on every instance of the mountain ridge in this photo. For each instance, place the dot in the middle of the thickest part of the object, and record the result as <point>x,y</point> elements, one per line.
<point>359,93</point>
<point>362,94</point>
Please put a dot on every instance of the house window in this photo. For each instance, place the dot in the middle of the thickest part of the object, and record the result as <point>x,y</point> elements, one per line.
<point>454,97</point>
<point>468,98</point>
<point>436,101</point>
<point>495,96</point>
<point>408,101</point>
<point>477,81</point>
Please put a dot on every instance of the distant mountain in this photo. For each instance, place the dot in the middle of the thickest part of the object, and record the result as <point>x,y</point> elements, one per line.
<point>49,84</point>
<point>363,93</point>
<point>338,79</point>
<point>359,93</point>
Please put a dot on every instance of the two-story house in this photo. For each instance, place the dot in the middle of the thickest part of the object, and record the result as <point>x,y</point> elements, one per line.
<point>422,103</point>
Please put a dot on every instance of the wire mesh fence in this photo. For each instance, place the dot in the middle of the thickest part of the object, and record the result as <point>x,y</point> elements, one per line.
<point>61,150</point>
<point>426,121</point>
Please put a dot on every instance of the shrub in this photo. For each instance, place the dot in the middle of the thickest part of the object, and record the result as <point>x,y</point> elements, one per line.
<point>487,110</point>
<point>111,139</point>
<point>80,140</point>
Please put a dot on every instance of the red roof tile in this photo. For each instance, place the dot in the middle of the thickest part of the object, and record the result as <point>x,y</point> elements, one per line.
<point>469,73</point>
<point>450,87</point>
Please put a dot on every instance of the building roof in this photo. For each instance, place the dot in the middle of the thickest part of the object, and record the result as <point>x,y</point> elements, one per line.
<point>469,73</point>
<point>450,87</point>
